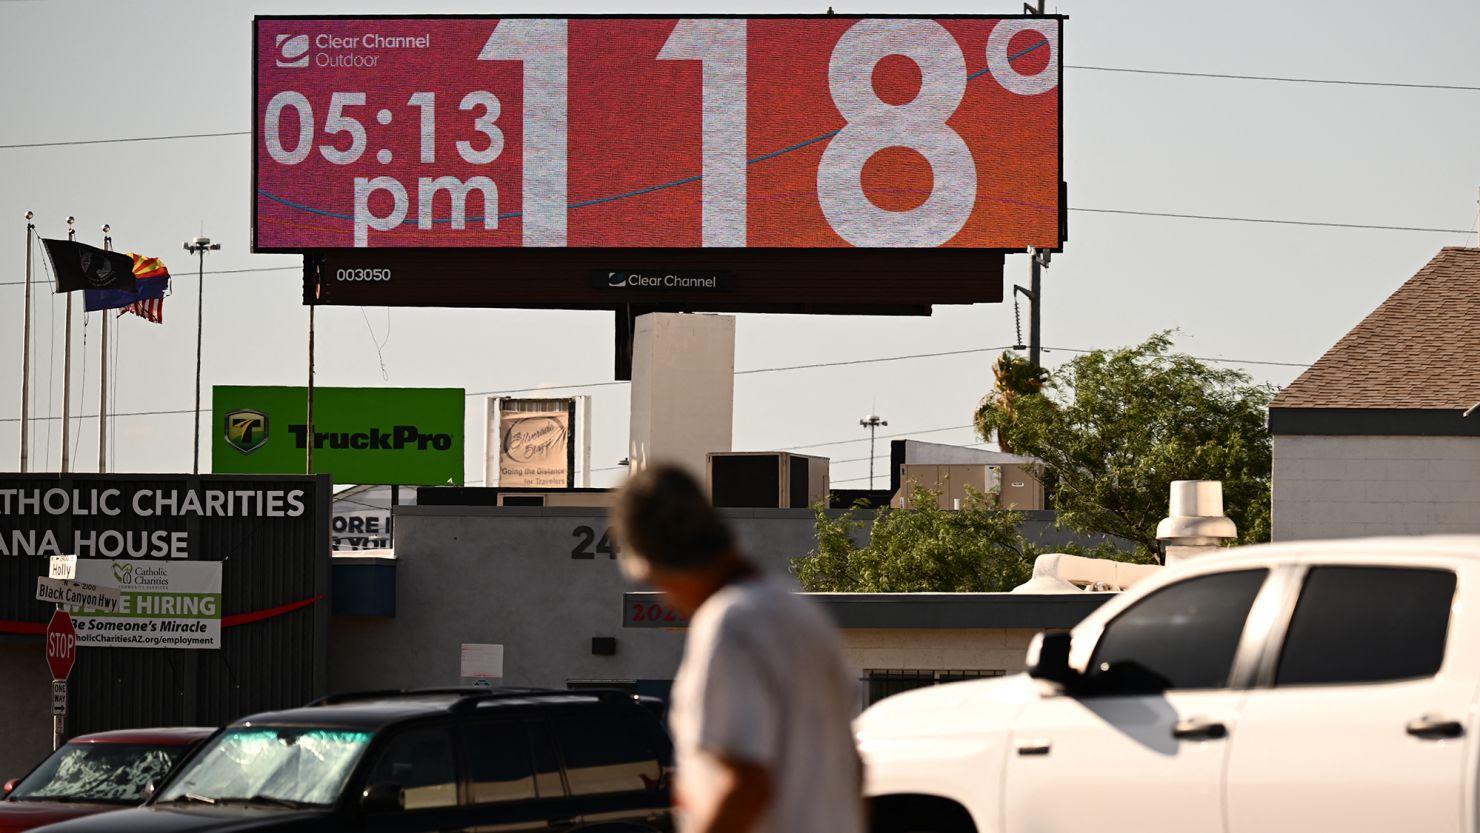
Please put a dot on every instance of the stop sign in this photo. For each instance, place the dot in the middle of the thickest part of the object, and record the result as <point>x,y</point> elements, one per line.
<point>61,645</point>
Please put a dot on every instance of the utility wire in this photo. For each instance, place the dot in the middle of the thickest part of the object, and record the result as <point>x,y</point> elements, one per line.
<point>128,139</point>
<point>879,359</point>
<point>1339,81</point>
<point>1271,221</point>
<point>1129,70</point>
<point>208,272</point>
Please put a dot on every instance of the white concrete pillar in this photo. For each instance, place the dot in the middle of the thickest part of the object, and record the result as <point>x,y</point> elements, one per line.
<point>683,389</point>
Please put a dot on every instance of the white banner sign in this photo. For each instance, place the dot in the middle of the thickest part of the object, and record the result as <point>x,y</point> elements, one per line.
<point>162,604</point>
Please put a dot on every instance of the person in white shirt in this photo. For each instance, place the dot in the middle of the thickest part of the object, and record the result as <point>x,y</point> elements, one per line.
<point>763,700</point>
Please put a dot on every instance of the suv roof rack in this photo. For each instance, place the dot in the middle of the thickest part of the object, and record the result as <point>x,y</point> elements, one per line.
<point>464,692</point>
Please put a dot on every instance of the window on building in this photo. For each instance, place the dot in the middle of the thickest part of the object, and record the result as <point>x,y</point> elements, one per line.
<point>1367,625</point>
<point>881,683</point>
<point>606,754</point>
<point>1183,636</point>
<point>421,762</point>
<point>500,762</point>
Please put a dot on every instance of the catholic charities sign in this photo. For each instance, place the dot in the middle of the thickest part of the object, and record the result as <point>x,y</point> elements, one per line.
<point>162,604</point>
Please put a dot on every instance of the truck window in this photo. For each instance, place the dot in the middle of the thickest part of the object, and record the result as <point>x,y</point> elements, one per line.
<point>607,752</point>
<point>1367,625</point>
<point>500,766</point>
<point>421,762</point>
<point>1182,636</point>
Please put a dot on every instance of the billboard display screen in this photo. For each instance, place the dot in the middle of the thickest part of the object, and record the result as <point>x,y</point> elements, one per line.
<point>657,133</point>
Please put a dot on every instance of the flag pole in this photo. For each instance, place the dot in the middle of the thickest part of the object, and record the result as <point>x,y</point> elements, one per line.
<point>103,391</point>
<point>67,372</point>
<point>26,355</point>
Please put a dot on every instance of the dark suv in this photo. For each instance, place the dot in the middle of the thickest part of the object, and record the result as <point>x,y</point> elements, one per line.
<point>430,760</point>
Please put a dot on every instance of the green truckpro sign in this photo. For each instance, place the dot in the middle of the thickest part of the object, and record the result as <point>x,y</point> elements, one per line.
<point>385,436</point>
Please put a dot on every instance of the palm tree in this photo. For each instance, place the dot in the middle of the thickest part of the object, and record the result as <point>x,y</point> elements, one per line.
<point>1015,377</point>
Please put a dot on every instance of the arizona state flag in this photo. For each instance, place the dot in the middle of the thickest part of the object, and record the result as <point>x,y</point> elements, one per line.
<point>153,279</point>
<point>79,266</point>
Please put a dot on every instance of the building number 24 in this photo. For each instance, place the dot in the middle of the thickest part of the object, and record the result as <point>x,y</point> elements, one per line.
<point>587,536</point>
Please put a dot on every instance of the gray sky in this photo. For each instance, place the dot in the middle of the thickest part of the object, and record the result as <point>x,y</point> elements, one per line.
<point>1404,157</point>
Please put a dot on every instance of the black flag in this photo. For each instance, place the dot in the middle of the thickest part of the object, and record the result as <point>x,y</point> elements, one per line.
<point>78,266</point>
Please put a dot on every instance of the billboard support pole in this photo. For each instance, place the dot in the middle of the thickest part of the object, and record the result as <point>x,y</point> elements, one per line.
<point>309,458</point>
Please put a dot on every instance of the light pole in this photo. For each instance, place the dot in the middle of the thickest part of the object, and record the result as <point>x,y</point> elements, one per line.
<point>872,423</point>
<point>199,246</point>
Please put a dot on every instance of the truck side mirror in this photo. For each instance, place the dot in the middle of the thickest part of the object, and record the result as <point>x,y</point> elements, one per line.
<point>383,798</point>
<point>1048,658</point>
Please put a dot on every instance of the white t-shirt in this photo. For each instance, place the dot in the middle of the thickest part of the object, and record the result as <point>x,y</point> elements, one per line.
<point>763,681</point>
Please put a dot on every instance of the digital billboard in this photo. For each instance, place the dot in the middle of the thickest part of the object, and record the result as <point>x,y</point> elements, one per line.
<point>657,133</point>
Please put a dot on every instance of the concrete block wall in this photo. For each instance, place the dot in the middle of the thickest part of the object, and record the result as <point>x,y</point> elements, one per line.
<point>936,649</point>
<point>25,688</point>
<point>1345,487</point>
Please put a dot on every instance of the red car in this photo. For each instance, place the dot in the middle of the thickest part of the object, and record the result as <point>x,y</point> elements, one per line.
<point>94,774</point>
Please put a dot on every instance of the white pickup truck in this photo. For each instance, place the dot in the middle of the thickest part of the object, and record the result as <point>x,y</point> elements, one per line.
<point>1300,688</point>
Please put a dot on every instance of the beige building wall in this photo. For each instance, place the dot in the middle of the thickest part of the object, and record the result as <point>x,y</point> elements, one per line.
<point>683,389</point>
<point>1350,486</point>
<point>932,649</point>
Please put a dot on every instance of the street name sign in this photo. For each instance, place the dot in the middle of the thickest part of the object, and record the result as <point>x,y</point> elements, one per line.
<point>77,593</point>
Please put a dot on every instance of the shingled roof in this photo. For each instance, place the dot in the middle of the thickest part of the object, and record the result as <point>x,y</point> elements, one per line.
<point>1419,350</point>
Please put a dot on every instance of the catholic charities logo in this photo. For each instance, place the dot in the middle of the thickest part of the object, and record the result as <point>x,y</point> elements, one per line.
<point>292,50</point>
<point>246,430</point>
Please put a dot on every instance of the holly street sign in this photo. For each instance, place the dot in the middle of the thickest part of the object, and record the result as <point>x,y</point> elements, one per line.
<point>61,645</point>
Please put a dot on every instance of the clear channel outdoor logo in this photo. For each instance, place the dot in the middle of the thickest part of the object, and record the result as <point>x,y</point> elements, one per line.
<point>292,51</point>
<point>246,430</point>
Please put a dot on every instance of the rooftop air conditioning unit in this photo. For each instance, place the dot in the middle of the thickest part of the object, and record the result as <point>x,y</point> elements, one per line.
<point>766,480</point>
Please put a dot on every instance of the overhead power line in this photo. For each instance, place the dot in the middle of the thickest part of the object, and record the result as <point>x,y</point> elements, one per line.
<point>819,365</point>
<point>208,272</point>
<point>1348,82</point>
<point>1271,221</point>
<point>127,139</point>
<point>1287,80</point>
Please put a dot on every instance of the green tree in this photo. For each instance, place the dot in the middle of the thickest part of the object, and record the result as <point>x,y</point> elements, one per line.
<point>921,549</point>
<point>1014,377</point>
<point>1126,423</point>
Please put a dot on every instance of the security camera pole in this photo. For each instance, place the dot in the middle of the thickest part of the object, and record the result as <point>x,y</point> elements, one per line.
<point>199,246</point>
<point>872,423</point>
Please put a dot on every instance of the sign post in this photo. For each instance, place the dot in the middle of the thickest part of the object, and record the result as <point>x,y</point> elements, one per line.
<point>61,654</point>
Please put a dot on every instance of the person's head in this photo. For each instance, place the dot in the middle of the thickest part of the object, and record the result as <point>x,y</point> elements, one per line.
<point>671,537</point>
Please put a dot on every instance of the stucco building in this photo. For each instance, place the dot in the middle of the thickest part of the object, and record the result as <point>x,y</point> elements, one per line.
<point>1381,435</point>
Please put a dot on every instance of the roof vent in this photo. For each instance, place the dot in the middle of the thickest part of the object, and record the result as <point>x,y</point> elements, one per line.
<point>1195,522</point>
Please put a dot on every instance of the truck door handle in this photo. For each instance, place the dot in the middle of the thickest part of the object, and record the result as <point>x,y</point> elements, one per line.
<point>1199,729</point>
<point>1431,728</point>
<point>1034,747</point>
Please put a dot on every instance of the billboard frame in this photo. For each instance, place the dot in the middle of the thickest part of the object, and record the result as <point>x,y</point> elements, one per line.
<point>1063,212</point>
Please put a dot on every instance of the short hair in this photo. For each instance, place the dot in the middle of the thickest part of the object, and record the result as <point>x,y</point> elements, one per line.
<point>663,519</point>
